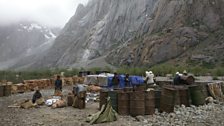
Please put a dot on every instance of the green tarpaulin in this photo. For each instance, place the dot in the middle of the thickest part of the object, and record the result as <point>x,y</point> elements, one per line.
<point>106,114</point>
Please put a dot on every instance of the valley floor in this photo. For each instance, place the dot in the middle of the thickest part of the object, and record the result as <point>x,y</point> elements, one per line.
<point>211,114</point>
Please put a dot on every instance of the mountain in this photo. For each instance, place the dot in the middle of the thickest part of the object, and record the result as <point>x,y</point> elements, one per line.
<point>96,29</point>
<point>182,32</point>
<point>23,39</point>
<point>140,33</point>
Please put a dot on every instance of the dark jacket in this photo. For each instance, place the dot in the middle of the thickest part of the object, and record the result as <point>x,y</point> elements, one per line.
<point>36,96</point>
<point>176,80</point>
<point>127,81</point>
<point>115,80</point>
<point>58,84</point>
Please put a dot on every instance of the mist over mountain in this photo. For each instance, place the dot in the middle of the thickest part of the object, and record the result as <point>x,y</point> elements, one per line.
<point>96,29</point>
<point>24,39</point>
<point>136,33</point>
<point>50,13</point>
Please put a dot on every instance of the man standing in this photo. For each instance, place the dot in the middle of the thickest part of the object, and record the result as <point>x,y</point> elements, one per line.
<point>126,80</point>
<point>115,81</point>
<point>58,83</point>
<point>183,78</point>
<point>176,79</point>
<point>149,78</point>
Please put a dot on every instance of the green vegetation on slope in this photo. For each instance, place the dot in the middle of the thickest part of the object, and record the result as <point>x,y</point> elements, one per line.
<point>158,70</point>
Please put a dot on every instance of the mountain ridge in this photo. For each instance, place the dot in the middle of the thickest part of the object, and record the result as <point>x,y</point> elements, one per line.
<point>22,39</point>
<point>139,33</point>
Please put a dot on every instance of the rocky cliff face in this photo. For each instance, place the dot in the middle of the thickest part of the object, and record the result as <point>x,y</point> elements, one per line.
<point>98,28</point>
<point>139,32</point>
<point>21,40</point>
<point>180,30</point>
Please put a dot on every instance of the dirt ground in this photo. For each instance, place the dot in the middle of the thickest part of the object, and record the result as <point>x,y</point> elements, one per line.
<point>46,116</point>
<point>69,116</point>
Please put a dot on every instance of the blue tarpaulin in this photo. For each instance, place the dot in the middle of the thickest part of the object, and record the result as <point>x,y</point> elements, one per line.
<point>134,80</point>
<point>121,84</point>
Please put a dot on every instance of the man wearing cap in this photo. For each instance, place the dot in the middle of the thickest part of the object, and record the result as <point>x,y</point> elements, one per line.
<point>176,79</point>
<point>183,78</point>
<point>149,78</point>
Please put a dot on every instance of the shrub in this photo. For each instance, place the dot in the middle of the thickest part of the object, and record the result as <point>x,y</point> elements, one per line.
<point>158,70</point>
<point>218,71</point>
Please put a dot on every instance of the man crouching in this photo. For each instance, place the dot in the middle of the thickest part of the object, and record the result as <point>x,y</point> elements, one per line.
<point>37,95</point>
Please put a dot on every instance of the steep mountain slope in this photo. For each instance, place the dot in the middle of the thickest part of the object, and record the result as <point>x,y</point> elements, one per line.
<point>98,28</point>
<point>21,40</point>
<point>184,30</point>
<point>140,32</point>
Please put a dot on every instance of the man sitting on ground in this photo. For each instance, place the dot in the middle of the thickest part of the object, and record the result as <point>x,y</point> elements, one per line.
<point>37,95</point>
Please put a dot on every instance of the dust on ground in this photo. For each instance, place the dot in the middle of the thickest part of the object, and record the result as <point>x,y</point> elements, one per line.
<point>46,116</point>
<point>211,114</point>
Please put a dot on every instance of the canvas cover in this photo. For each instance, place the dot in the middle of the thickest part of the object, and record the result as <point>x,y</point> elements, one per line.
<point>27,104</point>
<point>40,101</point>
<point>106,114</point>
<point>100,80</point>
<point>215,89</point>
<point>134,80</point>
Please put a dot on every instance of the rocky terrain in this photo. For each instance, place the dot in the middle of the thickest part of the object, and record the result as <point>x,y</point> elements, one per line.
<point>137,33</point>
<point>97,28</point>
<point>124,32</point>
<point>183,31</point>
<point>207,115</point>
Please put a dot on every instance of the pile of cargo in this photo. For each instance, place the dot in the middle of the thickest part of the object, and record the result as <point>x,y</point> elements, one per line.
<point>41,84</point>
<point>5,89</point>
<point>132,103</point>
<point>78,80</point>
<point>67,81</point>
<point>139,101</point>
<point>30,85</point>
<point>8,88</point>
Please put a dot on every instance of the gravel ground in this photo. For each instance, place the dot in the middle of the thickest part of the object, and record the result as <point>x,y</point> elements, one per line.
<point>45,116</point>
<point>207,115</point>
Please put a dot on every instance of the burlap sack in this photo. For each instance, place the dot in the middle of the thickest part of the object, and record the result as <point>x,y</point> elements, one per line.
<point>93,88</point>
<point>59,104</point>
<point>40,101</point>
<point>81,103</point>
<point>75,102</point>
<point>27,105</point>
<point>82,94</point>
<point>70,100</point>
<point>57,93</point>
<point>54,106</point>
<point>14,89</point>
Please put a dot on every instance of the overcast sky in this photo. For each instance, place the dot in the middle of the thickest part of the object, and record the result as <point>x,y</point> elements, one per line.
<point>47,12</point>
